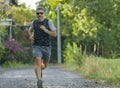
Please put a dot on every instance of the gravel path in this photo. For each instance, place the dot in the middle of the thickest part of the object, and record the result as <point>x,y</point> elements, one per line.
<point>53,77</point>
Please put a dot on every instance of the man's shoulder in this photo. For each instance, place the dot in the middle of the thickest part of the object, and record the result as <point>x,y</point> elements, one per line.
<point>46,19</point>
<point>36,20</point>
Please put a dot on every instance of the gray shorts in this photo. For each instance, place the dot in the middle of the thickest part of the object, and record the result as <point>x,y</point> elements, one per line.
<point>43,52</point>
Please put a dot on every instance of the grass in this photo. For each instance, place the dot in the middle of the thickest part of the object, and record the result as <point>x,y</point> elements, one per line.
<point>15,65</point>
<point>115,70</point>
<point>98,68</point>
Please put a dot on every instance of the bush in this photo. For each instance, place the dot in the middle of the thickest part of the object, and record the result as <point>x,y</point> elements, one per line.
<point>1,50</point>
<point>73,56</point>
<point>15,52</point>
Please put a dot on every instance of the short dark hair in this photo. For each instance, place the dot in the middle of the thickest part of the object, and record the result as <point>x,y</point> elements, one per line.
<point>40,8</point>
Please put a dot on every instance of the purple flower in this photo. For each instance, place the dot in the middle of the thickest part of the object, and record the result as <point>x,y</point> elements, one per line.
<point>12,45</point>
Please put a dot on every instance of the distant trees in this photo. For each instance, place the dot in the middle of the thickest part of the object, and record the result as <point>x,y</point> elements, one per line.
<point>92,24</point>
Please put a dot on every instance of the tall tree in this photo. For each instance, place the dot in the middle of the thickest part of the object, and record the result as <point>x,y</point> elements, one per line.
<point>90,23</point>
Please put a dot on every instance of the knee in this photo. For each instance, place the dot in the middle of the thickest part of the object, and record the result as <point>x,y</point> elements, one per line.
<point>37,61</point>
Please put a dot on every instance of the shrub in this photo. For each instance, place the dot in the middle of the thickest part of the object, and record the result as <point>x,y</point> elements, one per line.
<point>73,56</point>
<point>15,52</point>
<point>1,50</point>
<point>12,46</point>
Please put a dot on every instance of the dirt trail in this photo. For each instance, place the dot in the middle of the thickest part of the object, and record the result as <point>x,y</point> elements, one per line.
<point>53,77</point>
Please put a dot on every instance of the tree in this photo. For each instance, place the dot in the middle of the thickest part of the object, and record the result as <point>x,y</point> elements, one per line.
<point>22,14</point>
<point>93,24</point>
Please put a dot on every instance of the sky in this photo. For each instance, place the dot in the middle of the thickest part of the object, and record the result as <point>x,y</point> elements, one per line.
<point>29,3</point>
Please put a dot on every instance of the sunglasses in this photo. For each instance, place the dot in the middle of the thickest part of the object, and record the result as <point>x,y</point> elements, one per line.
<point>39,13</point>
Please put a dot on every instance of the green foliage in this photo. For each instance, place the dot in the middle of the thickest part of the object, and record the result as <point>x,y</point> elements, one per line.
<point>2,30</point>
<point>4,10</point>
<point>2,34</point>
<point>14,65</point>
<point>93,22</point>
<point>1,50</point>
<point>19,50</point>
<point>98,68</point>
<point>17,33</point>
<point>22,15</point>
<point>23,56</point>
<point>14,51</point>
<point>72,55</point>
<point>93,68</point>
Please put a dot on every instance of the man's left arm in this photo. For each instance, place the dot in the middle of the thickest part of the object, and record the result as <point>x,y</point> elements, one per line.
<point>52,31</point>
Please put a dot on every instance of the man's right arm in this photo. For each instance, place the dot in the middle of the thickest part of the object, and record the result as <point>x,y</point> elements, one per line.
<point>30,32</point>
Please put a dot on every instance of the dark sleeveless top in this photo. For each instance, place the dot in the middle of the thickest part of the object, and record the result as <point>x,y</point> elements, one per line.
<point>40,37</point>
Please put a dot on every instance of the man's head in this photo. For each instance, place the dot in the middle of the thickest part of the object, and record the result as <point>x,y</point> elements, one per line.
<point>40,13</point>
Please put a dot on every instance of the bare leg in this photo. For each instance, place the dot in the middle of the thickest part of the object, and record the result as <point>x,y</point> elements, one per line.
<point>38,67</point>
<point>44,65</point>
